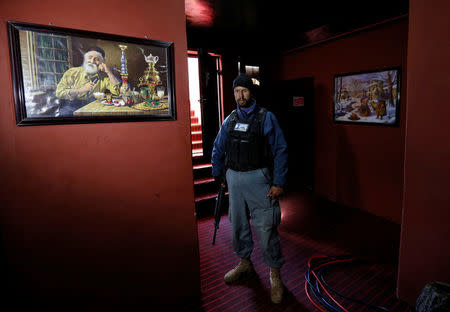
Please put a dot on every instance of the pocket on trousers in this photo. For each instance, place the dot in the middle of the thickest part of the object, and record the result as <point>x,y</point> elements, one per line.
<point>276,213</point>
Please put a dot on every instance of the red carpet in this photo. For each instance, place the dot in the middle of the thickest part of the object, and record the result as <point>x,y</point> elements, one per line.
<point>369,282</point>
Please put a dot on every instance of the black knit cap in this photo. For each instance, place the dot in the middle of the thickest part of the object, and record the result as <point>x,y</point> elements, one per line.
<point>242,80</point>
<point>97,49</point>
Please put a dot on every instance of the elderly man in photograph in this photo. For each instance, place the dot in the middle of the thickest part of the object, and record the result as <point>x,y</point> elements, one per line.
<point>78,84</point>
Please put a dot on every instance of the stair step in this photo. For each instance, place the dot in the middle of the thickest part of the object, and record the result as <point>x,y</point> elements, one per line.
<point>196,127</point>
<point>207,197</point>
<point>204,186</point>
<point>202,171</point>
<point>200,158</point>
<point>192,113</point>
<point>197,153</point>
<point>196,136</point>
<point>203,181</point>
<point>205,206</point>
<point>194,120</point>
<point>202,166</point>
<point>197,144</point>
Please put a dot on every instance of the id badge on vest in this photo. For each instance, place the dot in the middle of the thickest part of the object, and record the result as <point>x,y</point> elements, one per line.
<point>242,127</point>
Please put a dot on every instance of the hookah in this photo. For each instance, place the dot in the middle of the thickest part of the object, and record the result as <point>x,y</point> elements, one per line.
<point>123,70</point>
<point>150,82</point>
<point>125,87</point>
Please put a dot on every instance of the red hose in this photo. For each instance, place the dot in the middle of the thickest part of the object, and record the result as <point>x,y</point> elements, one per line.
<point>307,294</point>
<point>320,283</point>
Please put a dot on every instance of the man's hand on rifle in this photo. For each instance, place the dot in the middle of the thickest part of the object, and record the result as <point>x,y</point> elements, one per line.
<point>220,181</point>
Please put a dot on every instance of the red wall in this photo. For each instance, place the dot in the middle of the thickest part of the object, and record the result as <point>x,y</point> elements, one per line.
<point>357,165</point>
<point>103,213</point>
<point>425,237</point>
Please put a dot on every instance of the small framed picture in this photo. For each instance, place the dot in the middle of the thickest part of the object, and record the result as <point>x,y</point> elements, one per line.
<point>369,97</point>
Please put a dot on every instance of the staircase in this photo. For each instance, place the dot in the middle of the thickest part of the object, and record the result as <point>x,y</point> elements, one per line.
<point>205,189</point>
<point>196,136</point>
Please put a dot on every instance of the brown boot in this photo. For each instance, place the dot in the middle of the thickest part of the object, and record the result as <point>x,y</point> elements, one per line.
<point>244,268</point>
<point>276,286</point>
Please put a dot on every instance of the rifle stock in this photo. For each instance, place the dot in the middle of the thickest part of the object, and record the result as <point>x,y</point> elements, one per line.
<point>218,210</point>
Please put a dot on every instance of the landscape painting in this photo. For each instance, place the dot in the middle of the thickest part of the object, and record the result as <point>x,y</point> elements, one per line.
<point>370,97</point>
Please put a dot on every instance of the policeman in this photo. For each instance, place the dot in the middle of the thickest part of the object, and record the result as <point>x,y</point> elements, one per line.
<point>250,155</point>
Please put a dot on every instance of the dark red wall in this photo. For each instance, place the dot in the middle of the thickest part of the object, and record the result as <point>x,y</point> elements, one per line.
<point>357,165</point>
<point>425,237</point>
<point>101,213</point>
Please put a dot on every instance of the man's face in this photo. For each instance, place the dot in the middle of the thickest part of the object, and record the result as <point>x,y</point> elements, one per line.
<point>242,96</point>
<point>91,61</point>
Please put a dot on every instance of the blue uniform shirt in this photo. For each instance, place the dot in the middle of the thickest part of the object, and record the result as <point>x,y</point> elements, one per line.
<point>274,136</point>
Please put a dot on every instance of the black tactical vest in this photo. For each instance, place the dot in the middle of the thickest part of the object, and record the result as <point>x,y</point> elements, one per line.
<point>247,147</point>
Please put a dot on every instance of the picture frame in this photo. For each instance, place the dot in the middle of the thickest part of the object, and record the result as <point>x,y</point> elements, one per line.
<point>368,97</point>
<point>65,76</point>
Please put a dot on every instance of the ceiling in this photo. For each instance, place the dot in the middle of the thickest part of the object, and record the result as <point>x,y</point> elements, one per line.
<point>255,25</point>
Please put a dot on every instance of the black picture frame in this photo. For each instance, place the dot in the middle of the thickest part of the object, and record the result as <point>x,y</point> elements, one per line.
<point>49,76</point>
<point>369,97</point>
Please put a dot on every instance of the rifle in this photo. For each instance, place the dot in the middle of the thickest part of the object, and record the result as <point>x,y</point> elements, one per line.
<point>218,210</point>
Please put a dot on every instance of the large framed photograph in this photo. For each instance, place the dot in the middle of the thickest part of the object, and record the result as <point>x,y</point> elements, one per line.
<point>64,75</point>
<point>369,97</point>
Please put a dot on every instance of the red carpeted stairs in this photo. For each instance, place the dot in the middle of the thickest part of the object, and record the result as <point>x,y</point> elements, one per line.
<point>196,135</point>
<point>205,190</point>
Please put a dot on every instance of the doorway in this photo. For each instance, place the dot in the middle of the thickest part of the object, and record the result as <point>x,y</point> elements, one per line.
<point>295,111</point>
<point>194,101</point>
<point>205,96</point>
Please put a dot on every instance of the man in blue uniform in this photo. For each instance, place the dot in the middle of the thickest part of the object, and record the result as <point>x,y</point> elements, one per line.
<point>250,155</point>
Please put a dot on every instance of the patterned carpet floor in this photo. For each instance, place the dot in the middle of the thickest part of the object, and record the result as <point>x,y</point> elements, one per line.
<point>371,282</point>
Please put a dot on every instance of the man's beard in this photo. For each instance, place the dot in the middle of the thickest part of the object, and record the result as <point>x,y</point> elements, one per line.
<point>244,103</point>
<point>89,68</point>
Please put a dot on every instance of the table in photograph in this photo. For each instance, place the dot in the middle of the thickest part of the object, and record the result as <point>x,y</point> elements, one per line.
<point>96,108</point>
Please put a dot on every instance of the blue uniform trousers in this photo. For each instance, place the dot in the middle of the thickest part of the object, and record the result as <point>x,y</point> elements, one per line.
<point>249,189</point>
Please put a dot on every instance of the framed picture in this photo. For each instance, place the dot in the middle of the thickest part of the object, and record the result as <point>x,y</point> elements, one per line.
<point>64,76</point>
<point>369,97</point>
